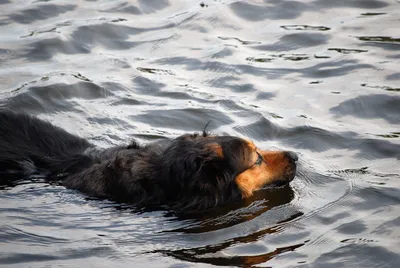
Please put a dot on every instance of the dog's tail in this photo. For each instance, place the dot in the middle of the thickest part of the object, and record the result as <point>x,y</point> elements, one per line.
<point>30,146</point>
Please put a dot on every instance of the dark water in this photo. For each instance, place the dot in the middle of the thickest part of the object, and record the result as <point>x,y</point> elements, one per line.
<point>321,78</point>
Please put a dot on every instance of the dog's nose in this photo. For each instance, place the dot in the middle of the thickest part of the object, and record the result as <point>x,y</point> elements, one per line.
<point>292,156</point>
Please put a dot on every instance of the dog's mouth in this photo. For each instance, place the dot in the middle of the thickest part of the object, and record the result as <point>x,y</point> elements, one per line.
<point>283,180</point>
<point>278,183</point>
<point>288,173</point>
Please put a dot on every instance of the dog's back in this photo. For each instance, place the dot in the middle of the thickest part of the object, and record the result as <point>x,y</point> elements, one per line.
<point>31,146</point>
<point>190,172</point>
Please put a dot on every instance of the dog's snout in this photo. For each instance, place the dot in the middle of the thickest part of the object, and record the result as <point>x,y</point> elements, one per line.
<point>292,156</point>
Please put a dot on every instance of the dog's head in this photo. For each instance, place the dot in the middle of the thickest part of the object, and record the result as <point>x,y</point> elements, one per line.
<point>204,171</point>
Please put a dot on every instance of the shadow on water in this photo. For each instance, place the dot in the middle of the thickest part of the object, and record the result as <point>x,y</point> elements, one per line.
<point>219,219</point>
<point>229,216</point>
<point>206,254</point>
<point>242,211</point>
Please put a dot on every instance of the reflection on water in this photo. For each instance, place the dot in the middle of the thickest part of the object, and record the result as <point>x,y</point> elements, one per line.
<point>316,77</point>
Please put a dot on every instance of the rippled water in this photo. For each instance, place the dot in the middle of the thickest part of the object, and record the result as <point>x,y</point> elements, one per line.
<point>317,77</point>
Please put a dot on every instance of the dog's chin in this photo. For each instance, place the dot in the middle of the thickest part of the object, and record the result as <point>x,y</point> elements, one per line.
<point>277,184</point>
<point>280,182</point>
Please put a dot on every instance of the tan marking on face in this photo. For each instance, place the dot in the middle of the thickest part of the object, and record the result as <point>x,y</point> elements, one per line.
<point>251,145</point>
<point>216,148</point>
<point>273,168</point>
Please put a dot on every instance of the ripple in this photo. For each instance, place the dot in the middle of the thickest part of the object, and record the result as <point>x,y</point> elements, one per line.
<point>225,259</point>
<point>373,14</point>
<point>385,42</point>
<point>387,88</point>
<point>54,97</point>
<point>155,71</point>
<point>347,50</point>
<point>295,41</point>
<point>239,40</point>
<point>275,10</point>
<point>41,12</point>
<point>383,39</point>
<point>183,119</point>
<point>370,106</point>
<point>291,57</point>
<point>125,8</point>
<point>365,256</point>
<point>367,4</point>
<point>305,28</point>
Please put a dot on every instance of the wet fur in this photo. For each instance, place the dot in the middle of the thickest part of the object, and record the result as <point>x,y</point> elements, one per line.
<point>183,173</point>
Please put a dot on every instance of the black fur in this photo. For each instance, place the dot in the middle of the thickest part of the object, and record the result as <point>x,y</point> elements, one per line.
<point>182,173</point>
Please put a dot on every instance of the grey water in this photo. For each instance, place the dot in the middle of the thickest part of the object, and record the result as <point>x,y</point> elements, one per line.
<point>318,77</point>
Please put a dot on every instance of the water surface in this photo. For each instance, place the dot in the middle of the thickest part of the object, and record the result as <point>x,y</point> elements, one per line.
<point>317,77</point>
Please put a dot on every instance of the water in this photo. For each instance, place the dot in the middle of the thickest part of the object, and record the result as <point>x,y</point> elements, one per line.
<point>317,77</point>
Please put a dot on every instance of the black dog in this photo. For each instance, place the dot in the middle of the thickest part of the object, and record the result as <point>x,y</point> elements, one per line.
<point>191,172</point>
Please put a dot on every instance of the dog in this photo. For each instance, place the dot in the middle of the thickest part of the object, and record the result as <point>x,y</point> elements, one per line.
<point>192,172</point>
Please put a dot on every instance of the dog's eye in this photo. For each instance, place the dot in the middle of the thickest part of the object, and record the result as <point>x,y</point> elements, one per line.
<point>259,159</point>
